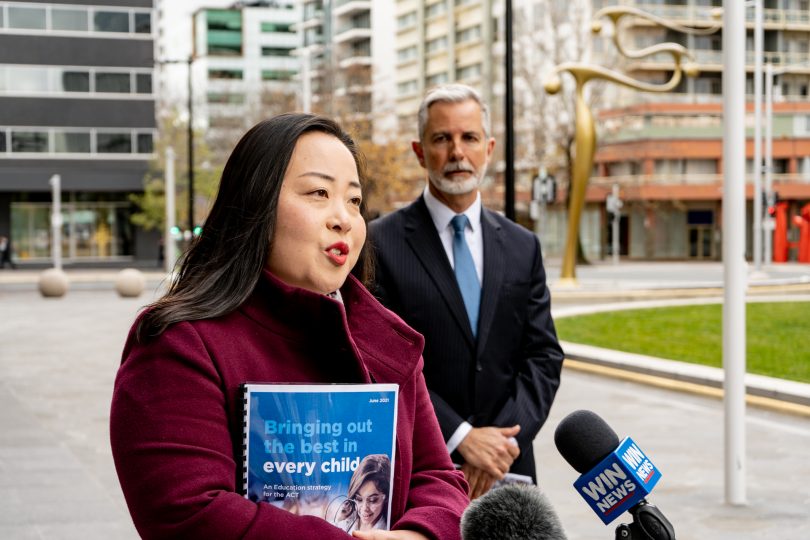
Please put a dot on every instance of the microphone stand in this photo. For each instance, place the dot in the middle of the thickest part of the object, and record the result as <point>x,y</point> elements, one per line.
<point>649,523</point>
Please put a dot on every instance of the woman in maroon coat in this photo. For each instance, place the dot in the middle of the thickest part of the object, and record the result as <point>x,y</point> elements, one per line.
<point>265,295</point>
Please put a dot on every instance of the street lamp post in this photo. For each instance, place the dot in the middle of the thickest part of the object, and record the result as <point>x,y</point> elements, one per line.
<point>509,147</point>
<point>734,273</point>
<point>189,136</point>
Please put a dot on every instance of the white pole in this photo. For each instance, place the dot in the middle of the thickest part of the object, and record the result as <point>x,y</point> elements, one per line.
<point>768,233</point>
<point>616,220</point>
<point>56,221</point>
<point>734,272</point>
<point>169,251</point>
<point>306,82</point>
<point>757,199</point>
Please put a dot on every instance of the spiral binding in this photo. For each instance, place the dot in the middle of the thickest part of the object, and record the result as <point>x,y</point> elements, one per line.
<point>245,434</point>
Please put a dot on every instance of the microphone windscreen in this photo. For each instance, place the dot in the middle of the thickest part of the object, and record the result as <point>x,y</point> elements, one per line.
<point>584,439</point>
<point>512,512</point>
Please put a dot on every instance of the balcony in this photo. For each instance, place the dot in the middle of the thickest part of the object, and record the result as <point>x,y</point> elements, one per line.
<point>773,19</point>
<point>353,32</point>
<point>350,7</point>
<point>687,179</point>
<point>710,60</point>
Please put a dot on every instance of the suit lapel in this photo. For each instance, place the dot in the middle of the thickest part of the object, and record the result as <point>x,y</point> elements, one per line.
<point>494,260</point>
<point>422,238</point>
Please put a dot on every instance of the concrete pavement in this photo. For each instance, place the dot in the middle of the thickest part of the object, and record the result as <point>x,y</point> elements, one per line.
<point>58,359</point>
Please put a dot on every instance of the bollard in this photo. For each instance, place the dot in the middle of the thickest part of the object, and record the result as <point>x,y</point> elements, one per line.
<point>53,283</point>
<point>130,283</point>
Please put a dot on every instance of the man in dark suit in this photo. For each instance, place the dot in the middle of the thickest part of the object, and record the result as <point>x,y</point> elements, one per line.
<point>473,283</point>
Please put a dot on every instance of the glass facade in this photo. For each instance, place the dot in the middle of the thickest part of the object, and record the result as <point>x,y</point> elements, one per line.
<point>224,36</point>
<point>75,140</point>
<point>59,18</point>
<point>90,231</point>
<point>56,79</point>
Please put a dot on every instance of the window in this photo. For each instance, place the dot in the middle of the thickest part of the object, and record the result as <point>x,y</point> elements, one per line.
<point>277,75</point>
<point>27,18</point>
<point>436,79</point>
<point>145,143</point>
<point>436,9</point>
<point>434,45</point>
<point>406,20</point>
<point>271,27</point>
<point>26,79</point>
<point>76,142</point>
<point>114,143</point>
<point>224,36</point>
<point>468,34</point>
<point>29,141</point>
<point>111,21</point>
<point>275,51</point>
<point>75,81</point>
<point>407,87</point>
<point>143,23</point>
<point>468,72</point>
<point>224,73</point>
<point>113,82</point>
<point>69,19</point>
<point>406,54</point>
<point>143,83</point>
<point>2,141</point>
<point>232,98</point>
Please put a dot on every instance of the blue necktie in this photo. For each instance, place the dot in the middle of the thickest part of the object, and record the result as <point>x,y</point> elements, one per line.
<point>466,275</point>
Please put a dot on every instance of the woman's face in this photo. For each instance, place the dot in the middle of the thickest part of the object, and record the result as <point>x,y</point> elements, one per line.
<point>319,231</point>
<point>370,503</point>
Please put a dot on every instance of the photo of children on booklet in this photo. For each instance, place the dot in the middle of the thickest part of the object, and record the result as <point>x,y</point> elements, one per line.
<point>367,505</point>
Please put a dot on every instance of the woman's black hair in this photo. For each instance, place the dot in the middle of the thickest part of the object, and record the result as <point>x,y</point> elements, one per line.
<point>222,266</point>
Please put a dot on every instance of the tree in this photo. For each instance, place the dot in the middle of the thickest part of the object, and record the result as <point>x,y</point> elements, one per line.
<point>172,131</point>
<point>547,34</point>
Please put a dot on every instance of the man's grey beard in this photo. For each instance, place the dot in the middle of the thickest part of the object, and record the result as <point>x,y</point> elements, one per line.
<point>455,187</point>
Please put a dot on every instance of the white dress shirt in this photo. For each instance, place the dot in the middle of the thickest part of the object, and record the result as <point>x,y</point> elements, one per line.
<point>442,215</point>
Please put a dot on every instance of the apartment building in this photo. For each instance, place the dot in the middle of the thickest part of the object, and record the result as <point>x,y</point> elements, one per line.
<point>77,100</point>
<point>244,68</point>
<point>442,41</point>
<point>348,68</point>
<point>665,150</point>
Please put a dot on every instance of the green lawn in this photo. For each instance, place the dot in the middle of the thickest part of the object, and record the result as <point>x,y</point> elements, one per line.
<point>778,335</point>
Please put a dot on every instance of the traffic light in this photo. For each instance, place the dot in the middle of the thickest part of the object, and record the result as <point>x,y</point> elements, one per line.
<point>175,231</point>
<point>197,230</point>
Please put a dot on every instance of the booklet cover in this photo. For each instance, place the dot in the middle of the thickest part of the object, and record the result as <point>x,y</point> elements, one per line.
<point>322,449</point>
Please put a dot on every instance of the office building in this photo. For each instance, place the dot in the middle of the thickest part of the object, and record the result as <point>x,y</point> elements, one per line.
<point>243,68</point>
<point>664,151</point>
<point>77,100</point>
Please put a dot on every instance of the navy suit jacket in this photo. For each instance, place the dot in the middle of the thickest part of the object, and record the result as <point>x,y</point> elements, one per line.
<point>510,373</point>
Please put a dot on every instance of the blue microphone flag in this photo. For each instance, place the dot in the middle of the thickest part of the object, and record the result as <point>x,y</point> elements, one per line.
<point>618,482</point>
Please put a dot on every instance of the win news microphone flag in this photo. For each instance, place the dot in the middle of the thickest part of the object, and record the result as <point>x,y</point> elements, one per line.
<point>616,476</point>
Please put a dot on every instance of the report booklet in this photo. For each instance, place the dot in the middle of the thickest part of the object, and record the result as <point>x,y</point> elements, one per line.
<point>322,449</point>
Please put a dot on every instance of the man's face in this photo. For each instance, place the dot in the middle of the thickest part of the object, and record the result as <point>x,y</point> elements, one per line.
<point>454,150</point>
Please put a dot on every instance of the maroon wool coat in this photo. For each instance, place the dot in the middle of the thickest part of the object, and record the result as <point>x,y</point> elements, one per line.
<point>175,423</point>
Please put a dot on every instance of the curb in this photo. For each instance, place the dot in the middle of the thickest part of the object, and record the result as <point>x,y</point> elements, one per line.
<point>765,392</point>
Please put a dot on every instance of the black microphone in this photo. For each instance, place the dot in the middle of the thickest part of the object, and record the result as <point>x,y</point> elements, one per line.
<point>511,512</point>
<point>616,475</point>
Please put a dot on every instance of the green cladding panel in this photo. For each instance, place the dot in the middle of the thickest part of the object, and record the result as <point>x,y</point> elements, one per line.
<point>224,32</point>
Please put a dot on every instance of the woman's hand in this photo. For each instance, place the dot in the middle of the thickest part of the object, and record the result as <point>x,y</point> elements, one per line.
<point>389,535</point>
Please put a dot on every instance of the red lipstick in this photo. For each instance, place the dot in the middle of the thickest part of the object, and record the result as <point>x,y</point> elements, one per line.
<point>338,253</point>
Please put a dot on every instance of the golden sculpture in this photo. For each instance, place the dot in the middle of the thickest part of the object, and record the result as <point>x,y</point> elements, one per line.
<point>585,132</point>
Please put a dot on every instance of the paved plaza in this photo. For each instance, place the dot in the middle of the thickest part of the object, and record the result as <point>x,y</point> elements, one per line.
<point>58,359</point>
